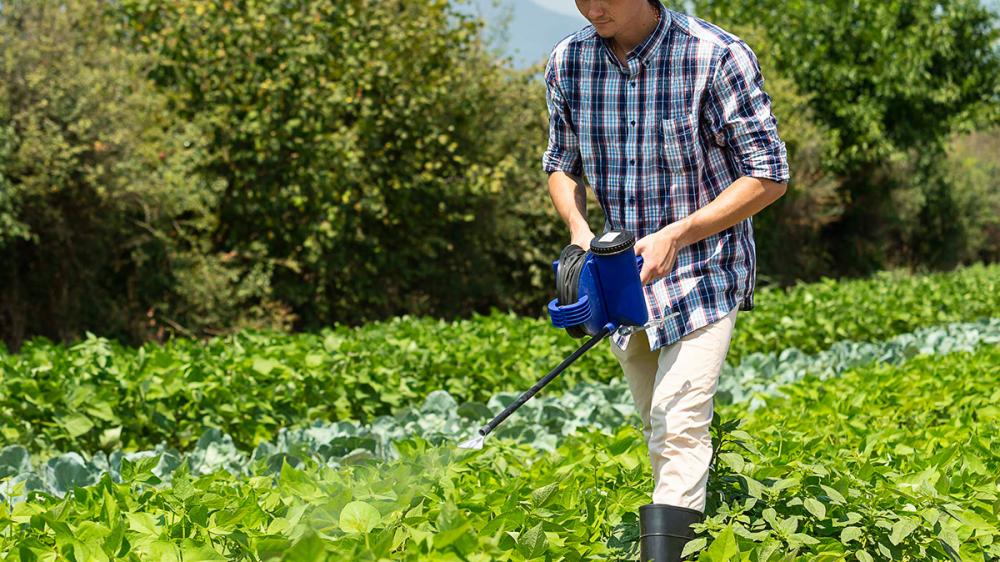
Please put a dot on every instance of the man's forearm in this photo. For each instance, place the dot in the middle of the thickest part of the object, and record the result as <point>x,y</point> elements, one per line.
<point>569,196</point>
<point>743,198</point>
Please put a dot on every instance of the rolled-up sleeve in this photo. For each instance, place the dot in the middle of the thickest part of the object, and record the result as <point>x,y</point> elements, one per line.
<point>563,152</point>
<point>740,116</point>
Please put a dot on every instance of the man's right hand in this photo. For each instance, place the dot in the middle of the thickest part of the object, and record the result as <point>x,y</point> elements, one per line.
<point>582,239</point>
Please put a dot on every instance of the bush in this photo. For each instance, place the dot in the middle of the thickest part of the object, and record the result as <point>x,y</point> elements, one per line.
<point>788,233</point>
<point>370,173</point>
<point>974,166</point>
<point>100,213</point>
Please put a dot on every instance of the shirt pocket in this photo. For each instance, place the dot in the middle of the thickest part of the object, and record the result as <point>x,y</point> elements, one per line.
<point>679,145</point>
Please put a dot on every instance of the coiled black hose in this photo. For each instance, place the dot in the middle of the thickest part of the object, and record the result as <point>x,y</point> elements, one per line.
<point>568,281</point>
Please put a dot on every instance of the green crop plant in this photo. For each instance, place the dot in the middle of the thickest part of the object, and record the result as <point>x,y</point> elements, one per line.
<point>97,395</point>
<point>884,462</point>
<point>542,422</point>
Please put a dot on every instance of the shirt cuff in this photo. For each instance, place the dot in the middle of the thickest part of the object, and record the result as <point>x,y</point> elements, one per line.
<point>771,163</point>
<point>558,161</point>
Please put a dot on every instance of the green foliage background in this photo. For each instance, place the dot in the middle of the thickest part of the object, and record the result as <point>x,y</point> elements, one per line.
<point>891,85</point>
<point>376,175</point>
<point>199,166</point>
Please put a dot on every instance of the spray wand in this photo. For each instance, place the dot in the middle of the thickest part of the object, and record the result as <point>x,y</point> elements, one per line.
<point>477,442</point>
<point>599,293</point>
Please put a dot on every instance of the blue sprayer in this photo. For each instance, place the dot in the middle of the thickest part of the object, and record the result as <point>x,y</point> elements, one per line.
<point>608,295</point>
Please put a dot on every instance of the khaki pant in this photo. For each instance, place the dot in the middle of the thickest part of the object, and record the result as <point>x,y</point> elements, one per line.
<point>673,388</point>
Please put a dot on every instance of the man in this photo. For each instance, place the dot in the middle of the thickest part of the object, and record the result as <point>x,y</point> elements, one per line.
<point>667,116</point>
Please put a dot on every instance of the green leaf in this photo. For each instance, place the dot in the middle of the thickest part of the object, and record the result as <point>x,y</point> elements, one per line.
<point>902,529</point>
<point>195,552</point>
<point>694,546</point>
<point>788,525</point>
<point>359,517</point>
<point>723,548</point>
<point>143,523</point>
<point>849,534</point>
<point>949,537</point>
<point>264,366</point>
<point>733,460</point>
<point>834,495</point>
<point>76,424</point>
<point>532,543</point>
<point>541,495</point>
<point>815,507</point>
<point>163,550</point>
<point>783,483</point>
<point>308,547</point>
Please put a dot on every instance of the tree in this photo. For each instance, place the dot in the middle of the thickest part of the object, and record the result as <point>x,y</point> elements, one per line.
<point>889,80</point>
<point>101,212</point>
<point>363,145</point>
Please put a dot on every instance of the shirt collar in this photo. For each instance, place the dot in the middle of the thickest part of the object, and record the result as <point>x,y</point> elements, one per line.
<point>644,50</point>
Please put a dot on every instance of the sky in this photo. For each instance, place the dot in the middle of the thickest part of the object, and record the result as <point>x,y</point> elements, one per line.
<point>564,7</point>
<point>535,25</point>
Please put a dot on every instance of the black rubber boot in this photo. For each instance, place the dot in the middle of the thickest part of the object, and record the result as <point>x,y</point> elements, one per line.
<point>664,530</point>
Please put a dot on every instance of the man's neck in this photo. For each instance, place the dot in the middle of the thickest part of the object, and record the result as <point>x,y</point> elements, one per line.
<point>628,40</point>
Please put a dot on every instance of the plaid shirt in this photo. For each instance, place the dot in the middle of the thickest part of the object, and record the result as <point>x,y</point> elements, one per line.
<point>660,137</point>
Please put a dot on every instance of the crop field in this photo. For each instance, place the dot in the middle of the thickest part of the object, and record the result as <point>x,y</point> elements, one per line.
<point>854,421</point>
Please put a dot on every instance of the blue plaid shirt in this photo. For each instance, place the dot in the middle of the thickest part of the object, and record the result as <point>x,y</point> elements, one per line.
<point>660,137</point>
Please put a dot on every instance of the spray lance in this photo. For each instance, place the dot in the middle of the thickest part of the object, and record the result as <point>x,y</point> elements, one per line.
<point>599,293</point>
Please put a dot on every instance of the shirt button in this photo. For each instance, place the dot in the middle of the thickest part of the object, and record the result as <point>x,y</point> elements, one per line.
<point>631,200</point>
<point>633,122</point>
<point>631,161</point>
<point>632,83</point>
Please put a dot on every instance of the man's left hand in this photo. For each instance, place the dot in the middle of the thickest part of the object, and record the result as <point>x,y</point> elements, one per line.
<point>659,252</point>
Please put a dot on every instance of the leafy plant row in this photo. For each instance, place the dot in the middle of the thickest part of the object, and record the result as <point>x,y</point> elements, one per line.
<point>886,463</point>
<point>542,422</point>
<point>860,467</point>
<point>97,395</point>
